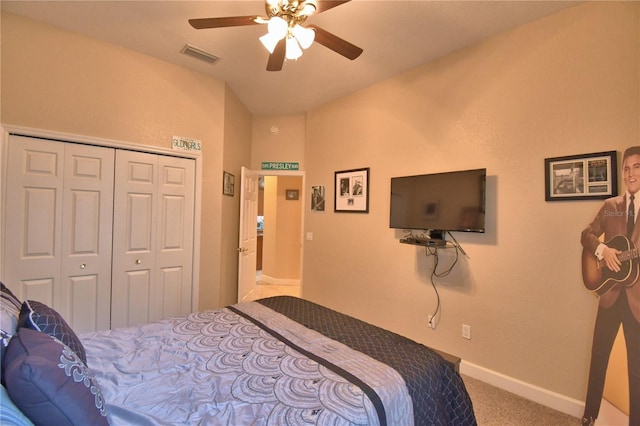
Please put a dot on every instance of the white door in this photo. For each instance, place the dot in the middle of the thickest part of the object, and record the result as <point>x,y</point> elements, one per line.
<point>34,218</point>
<point>134,237</point>
<point>174,245</point>
<point>248,234</point>
<point>153,237</point>
<point>86,237</point>
<point>58,228</point>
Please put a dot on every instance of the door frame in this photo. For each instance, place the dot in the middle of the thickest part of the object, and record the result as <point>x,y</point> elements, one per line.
<point>301,174</point>
<point>8,129</point>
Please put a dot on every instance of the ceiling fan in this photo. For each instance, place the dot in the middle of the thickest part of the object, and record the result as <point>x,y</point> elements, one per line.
<point>286,35</point>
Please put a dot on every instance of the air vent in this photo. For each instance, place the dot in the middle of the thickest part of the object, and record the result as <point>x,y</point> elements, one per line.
<point>199,54</point>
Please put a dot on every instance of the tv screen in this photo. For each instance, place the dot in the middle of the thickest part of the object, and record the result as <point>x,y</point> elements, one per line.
<point>451,201</point>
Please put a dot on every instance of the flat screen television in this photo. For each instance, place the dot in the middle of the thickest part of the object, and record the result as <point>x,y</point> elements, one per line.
<point>439,202</point>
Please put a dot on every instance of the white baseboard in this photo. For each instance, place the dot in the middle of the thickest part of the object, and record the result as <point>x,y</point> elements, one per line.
<point>266,279</point>
<point>550,399</point>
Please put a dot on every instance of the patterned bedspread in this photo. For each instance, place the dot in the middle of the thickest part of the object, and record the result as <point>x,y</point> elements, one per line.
<point>437,390</point>
<point>250,364</point>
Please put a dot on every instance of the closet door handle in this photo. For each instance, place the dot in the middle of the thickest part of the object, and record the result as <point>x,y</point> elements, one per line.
<point>82,266</point>
<point>138,261</point>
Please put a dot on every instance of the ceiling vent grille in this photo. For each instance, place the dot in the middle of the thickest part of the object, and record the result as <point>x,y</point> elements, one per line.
<point>199,54</point>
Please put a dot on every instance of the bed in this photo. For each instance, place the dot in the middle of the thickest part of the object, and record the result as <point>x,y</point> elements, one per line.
<point>276,361</point>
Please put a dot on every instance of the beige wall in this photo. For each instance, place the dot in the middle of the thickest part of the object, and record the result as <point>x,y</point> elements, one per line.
<point>270,233</point>
<point>567,84</point>
<point>62,81</point>
<point>237,153</point>
<point>278,138</point>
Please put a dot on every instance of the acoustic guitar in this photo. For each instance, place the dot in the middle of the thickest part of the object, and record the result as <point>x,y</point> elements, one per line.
<point>597,277</point>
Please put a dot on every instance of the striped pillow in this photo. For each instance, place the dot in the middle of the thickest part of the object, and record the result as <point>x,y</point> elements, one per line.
<point>9,313</point>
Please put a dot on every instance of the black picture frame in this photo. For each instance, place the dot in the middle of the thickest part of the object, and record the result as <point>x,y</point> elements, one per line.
<point>351,191</point>
<point>292,194</point>
<point>318,198</point>
<point>592,176</point>
<point>228,184</point>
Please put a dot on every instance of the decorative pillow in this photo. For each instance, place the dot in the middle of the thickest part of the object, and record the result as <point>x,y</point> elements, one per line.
<point>9,298</point>
<point>38,316</point>
<point>49,382</point>
<point>9,311</point>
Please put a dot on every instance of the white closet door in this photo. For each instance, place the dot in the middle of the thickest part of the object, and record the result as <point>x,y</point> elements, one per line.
<point>174,254</point>
<point>153,238</point>
<point>86,237</point>
<point>134,238</point>
<point>58,228</point>
<point>34,218</point>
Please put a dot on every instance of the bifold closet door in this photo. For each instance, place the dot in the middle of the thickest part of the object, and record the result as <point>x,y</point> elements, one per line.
<point>58,228</point>
<point>153,237</point>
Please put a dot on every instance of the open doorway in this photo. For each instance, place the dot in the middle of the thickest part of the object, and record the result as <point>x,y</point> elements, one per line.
<point>277,221</point>
<point>279,225</point>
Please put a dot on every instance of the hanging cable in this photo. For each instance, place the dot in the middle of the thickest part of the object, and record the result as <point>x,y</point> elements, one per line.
<point>433,251</point>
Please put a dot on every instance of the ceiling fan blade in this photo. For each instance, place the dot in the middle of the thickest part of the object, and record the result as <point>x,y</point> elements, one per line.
<point>329,4</point>
<point>230,21</point>
<point>276,59</point>
<point>335,43</point>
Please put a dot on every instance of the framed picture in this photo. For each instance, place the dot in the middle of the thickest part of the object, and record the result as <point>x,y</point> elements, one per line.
<point>352,191</point>
<point>228,183</point>
<point>317,198</point>
<point>581,177</point>
<point>291,194</point>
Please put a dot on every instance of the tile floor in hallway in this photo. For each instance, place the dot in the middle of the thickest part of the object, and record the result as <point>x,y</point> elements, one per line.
<point>268,290</point>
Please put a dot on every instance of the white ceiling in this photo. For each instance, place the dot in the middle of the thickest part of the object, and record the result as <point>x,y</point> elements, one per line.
<point>396,36</point>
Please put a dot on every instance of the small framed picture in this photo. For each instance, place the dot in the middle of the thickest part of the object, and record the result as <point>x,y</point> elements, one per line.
<point>352,191</point>
<point>581,177</point>
<point>228,183</point>
<point>317,198</point>
<point>291,194</point>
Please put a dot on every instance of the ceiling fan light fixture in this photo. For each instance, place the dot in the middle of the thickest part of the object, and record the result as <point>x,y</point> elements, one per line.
<point>309,8</point>
<point>293,49</point>
<point>305,36</point>
<point>277,30</point>
<point>269,42</point>
<point>272,7</point>
<point>278,27</point>
<point>287,31</point>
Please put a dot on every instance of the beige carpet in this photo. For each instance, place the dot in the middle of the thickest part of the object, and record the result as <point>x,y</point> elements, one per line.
<point>496,407</point>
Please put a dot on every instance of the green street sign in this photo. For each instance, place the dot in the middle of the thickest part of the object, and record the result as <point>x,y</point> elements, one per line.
<point>279,165</point>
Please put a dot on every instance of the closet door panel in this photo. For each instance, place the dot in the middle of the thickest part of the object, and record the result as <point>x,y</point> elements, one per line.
<point>40,289</point>
<point>60,227</point>
<point>85,294</point>
<point>139,216</point>
<point>84,303</point>
<point>40,206</point>
<point>174,254</point>
<point>138,291</point>
<point>134,238</point>
<point>172,283</point>
<point>33,222</point>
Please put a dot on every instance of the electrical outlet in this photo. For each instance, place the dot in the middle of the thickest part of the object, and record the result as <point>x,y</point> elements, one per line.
<point>432,322</point>
<point>466,331</point>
